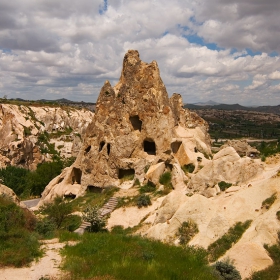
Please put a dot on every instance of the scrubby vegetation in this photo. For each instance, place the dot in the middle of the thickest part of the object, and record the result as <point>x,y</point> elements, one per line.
<point>188,168</point>
<point>27,183</point>
<point>227,271</point>
<point>224,243</point>
<point>224,185</point>
<point>143,200</point>
<point>19,244</point>
<point>187,231</point>
<point>93,215</point>
<point>118,256</point>
<point>269,201</point>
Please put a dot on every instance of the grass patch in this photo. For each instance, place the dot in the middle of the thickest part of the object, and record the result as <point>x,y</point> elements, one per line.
<point>131,257</point>
<point>65,236</point>
<point>148,188</point>
<point>188,168</point>
<point>224,243</point>
<point>269,201</point>
<point>224,185</point>
<point>165,179</point>
<point>128,177</point>
<point>19,245</point>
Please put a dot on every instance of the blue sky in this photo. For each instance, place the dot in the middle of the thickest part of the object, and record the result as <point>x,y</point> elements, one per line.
<point>227,51</point>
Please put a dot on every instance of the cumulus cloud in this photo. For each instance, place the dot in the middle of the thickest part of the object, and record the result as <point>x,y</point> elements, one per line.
<point>53,49</point>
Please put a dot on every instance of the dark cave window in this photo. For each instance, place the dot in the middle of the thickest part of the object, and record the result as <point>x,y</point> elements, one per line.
<point>94,189</point>
<point>102,143</point>
<point>87,149</point>
<point>126,173</point>
<point>150,147</point>
<point>175,146</point>
<point>76,175</point>
<point>108,148</point>
<point>136,122</point>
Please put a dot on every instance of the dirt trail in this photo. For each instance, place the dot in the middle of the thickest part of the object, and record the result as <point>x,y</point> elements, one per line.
<point>47,266</point>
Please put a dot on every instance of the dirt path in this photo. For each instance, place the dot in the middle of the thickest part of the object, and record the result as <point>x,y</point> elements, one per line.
<point>47,266</point>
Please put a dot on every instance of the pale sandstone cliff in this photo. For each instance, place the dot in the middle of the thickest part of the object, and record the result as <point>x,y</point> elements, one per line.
<point>20,127</point>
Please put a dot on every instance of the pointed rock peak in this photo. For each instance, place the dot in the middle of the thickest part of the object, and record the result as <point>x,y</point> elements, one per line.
<point>131,57</point>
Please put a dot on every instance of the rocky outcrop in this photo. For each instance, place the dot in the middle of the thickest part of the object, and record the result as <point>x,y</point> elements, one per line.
<point>23,133</point>
<point>135,125</point>
<point>10,194</point>
<point>242,148</point>
<point>226,166</point>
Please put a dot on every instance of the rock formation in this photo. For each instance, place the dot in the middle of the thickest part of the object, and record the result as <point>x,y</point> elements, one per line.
<point>135,126</point>
<point>242,148</point>
<point>21,127</point>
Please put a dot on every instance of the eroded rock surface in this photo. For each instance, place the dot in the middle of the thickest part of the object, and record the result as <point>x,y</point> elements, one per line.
<point>135,126</point>
<point>21,127</point>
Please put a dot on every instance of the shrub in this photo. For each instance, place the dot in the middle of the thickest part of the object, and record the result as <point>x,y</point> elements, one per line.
<point>149,187</point>
<point>57,211</point>
<point>224,185</point>
<point>46,227</point>
<point>92,214</point>
<point>227,271</point>
<point>18,246</point>
<point>269,201</point>
<point>187,231</point>
<point>14,178</point>
<point>143,200</point>
<point>224,243</point>
<point>188,168</point>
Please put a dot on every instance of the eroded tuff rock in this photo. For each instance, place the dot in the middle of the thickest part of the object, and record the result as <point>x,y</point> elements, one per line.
<point>226,166</point>
<point>242,148</point>
<point>135,125</point>
<point>21,126</point>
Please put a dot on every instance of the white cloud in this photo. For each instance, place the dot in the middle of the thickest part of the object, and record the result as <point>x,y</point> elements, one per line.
<point>61,48</point>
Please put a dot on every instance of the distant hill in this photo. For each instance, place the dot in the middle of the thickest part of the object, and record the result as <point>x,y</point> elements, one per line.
<point>232,107</point>
<point>207,103</point>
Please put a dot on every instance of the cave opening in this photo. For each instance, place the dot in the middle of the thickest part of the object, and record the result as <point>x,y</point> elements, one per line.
<point>94,189</point>
<point>87,149</point>
<point>108,148</point>
<point>150,147</point>
<point>126,173</point>
<point>136,122</point>
<point>76,175</point>
<point>101,145</point>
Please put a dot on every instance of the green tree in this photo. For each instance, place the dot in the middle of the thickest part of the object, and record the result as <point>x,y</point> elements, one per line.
<point>14,178</point>
<point>58,211</point>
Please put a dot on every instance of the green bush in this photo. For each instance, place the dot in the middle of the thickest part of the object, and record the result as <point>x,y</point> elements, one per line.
<point>92,214</point>
<point>224,185</point>
<point>269,201</point>
<point>188,168</point>
<point>46,227</point>
<point>149,187</point>
<point>14,178</point>
<point>19,245</point>
<point>58,211</point>
<point>227,271</point>
<point>165,179</point>
<point>143,200</point>
<point>224,243</point>
<point>187,231</point>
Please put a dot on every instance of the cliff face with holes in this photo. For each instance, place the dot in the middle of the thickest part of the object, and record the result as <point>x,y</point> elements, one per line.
<point>22,128</point>
<point>136,125</point>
